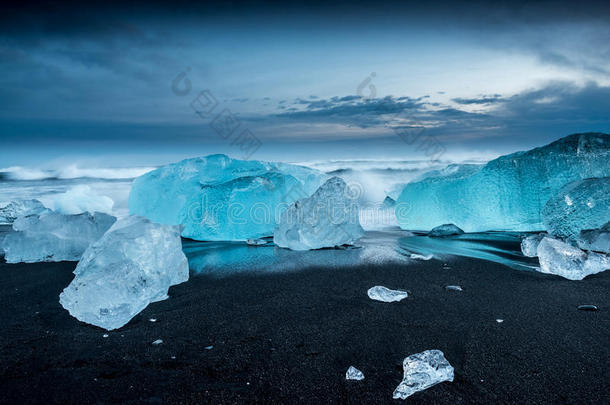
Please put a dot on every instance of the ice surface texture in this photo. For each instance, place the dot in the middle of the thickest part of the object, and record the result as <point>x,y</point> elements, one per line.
<point>384,294</point>
<point>507,193</point>
<point>557,257</point>
<point>21,208</point>
<point>597,240</point>
<point>54,237</point>
<point>326,219</point>
<point>219,198</point>
<point>445,230</point>
<point>132,265</point>
<point>422,371</point>
<point>354,374</point>
<point>529,245</point>
<point>581,204</point>
<point>82,198</point>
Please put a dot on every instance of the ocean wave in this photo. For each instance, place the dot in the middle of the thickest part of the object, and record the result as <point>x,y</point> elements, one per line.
<point>19,173</point>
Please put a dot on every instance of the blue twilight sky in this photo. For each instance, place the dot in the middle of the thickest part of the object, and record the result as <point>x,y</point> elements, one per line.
<point>115,85</point>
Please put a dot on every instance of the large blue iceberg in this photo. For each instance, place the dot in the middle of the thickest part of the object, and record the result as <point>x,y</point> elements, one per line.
<point>507,193</point>
<point>219,198</point>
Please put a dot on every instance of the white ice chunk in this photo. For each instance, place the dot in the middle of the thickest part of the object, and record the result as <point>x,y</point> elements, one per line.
<point>157,342</point>
<point>557,257</point>
<point>445,230</point>
<point>529,245</point>
<point>421,257</point>
<point>354,374</point>
<point>20,208</point>
<point>581,204</point>
<point>82,198</point>
<point>219,198</point>
<point>328,218</point>
<point>384,294</point>
<point>453,287</point>
<point>256,242</point>
<point>54,237</point>
<point>132,265</point>
<point>422,371</point>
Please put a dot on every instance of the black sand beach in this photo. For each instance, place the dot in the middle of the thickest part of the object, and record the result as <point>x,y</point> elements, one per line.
<point>289,338</point>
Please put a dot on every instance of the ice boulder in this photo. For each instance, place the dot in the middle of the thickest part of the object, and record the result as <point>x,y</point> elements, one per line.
<point>132,265</point>
<point>20,208</point>
<point>328,218</point>
<point>353,373</point>
<point>597,240</point>
<point>529,245</point>
<point>581,204</point>
<point>422,371</point>
<point>557,257</point>
<point>507,193</point>
<point>445,230</point>
<point>219,198</point>
<point>53,237</point>
<point>81,198</point>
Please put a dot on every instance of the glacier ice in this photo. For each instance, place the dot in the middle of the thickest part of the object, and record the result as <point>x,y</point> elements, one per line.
<point>132,265</point>
<point>422,371</point>
<point>388,203</point>
<point>54,237</point>
<point>445,230</point>
<point>507,193</point>
<point>81,198</point>
<point>581,204</point>
<point>558,257</point>
<point>20,208</point>
<point>353,373</point>
<point>529,245</point>
<point>219,198</point>
<point>384,294</point>
<point>328,218</point>
<point>597,240</point>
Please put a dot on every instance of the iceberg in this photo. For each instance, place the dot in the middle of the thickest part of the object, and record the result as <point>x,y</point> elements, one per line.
<point>354,374</point>
<point>597,240</point>
<point>82,198</point>
<point>132,265</point>
<point>384,294</point>
<point>507,193</point>
<point>562,259</point>
<point>20,208</point>
<point>328,218</point>
<point>529,245</point>
<point>219,198</point>
<point>53,237</point>
<point>422,371</point>
<point>579,205</point>
<point>445,230</point>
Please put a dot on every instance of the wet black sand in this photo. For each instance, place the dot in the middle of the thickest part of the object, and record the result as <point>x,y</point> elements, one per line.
<point>289,338</point>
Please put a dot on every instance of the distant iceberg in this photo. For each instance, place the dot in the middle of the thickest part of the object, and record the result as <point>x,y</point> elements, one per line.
<point>507,193</point>
<point>132,265</point>
<point>80,199</point>
<point>53,237</point>
<point>219,198</point>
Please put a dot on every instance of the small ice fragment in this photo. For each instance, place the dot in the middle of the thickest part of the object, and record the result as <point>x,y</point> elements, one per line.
<point>153,319</point>
<point>380,293</point>
<point>421,257</point>
<point>173,357</point>
<point>529,245</point>
<point>587,307</point>
<point>209,347</point>
<point>157,342</point>
<point>422,371</point>
<point>256,242</point>
<point>354,374</point>
<point>105,335</point>
<point>453,287</point>
<point>499,320</point>
<point>445,230</point>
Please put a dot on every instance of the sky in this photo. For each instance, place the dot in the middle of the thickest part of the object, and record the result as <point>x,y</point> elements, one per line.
<point>150,83</point>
